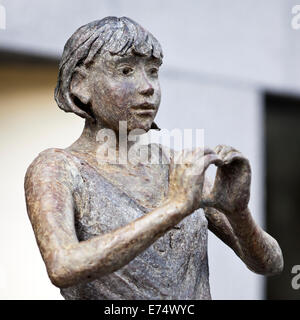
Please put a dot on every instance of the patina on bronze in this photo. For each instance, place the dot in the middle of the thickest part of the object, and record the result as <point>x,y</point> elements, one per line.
<point>133,231</point>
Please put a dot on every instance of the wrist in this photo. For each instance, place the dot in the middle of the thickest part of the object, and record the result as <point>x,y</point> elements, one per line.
<point>177,207</point>
<point>238,217</point>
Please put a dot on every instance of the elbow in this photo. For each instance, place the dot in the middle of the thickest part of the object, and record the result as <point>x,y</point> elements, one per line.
<point>275,264</point>
<point>275,267</point>
<point>59,277</point>
<point>270,267</point>
<point>65,272</point>
<point>62,278</point>
<point>60,272</point>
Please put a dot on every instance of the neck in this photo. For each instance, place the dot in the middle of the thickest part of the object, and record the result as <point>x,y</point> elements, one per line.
<point>88,143</point>
<point>91,129</point>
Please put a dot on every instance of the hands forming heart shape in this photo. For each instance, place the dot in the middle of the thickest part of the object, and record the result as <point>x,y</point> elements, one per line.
<point>231,189</point>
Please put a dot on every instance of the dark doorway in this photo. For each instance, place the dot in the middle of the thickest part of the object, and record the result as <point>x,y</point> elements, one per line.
<point>282,134</point>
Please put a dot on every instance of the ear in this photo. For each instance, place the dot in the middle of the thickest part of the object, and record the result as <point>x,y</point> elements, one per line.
<point>79,85</point>
<point>78,97</point>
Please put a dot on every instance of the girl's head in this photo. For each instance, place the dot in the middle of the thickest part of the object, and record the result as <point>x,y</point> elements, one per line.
<point>109,73</point>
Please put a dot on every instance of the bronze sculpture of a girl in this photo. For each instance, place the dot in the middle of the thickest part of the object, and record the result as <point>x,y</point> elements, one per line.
<point>133,231</point>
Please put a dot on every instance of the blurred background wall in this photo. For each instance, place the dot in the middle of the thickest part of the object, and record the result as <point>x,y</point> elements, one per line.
<point>228,68</point>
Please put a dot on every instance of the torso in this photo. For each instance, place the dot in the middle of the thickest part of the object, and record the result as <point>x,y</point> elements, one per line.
<point>107,198</point>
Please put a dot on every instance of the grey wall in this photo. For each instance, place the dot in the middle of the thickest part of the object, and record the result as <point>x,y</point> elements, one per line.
<point>219,57</point>
<point>240,42</point>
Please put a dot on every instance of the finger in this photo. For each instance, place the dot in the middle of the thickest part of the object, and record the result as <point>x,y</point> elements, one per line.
<point>193,156</point>
<point>180,156</point>
<point>202,151</point>
<point>211,159</point>
<point>231,157</point>
<point>224,150</point>
<point>208,151</point>
<point>202,164</point>
<point>218,148</point>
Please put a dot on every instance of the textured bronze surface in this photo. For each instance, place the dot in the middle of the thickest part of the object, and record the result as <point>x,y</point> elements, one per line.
<point>134,230</point>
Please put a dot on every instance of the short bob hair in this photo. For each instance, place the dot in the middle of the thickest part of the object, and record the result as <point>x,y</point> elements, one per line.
<point>112,34</point>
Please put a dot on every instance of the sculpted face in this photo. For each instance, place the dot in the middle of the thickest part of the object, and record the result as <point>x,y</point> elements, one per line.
<point>125,88</point>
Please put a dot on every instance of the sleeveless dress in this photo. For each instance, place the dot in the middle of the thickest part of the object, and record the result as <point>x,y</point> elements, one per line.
<point>173,267</point>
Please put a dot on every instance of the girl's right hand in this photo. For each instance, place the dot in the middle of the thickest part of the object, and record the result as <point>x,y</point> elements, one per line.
<point>186,177</point>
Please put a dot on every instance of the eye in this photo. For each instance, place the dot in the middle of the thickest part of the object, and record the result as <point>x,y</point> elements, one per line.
<point>127,70</point>
<point>154,72</point>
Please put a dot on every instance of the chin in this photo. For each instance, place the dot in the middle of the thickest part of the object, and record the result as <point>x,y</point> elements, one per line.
<point>143,125</point>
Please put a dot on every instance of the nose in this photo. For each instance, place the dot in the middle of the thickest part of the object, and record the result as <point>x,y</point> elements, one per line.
<point>146,89</point>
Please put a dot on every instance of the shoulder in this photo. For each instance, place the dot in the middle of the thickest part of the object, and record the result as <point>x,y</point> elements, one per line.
<point>49,159</point>
<point>51,164</point>
<point>48,156</point>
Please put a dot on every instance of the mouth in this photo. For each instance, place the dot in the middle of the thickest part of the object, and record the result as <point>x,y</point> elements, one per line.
<point>144,109</point>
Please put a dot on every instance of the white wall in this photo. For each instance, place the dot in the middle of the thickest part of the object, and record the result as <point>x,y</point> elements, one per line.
<point>30,122</point>
<point>219,57</point>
